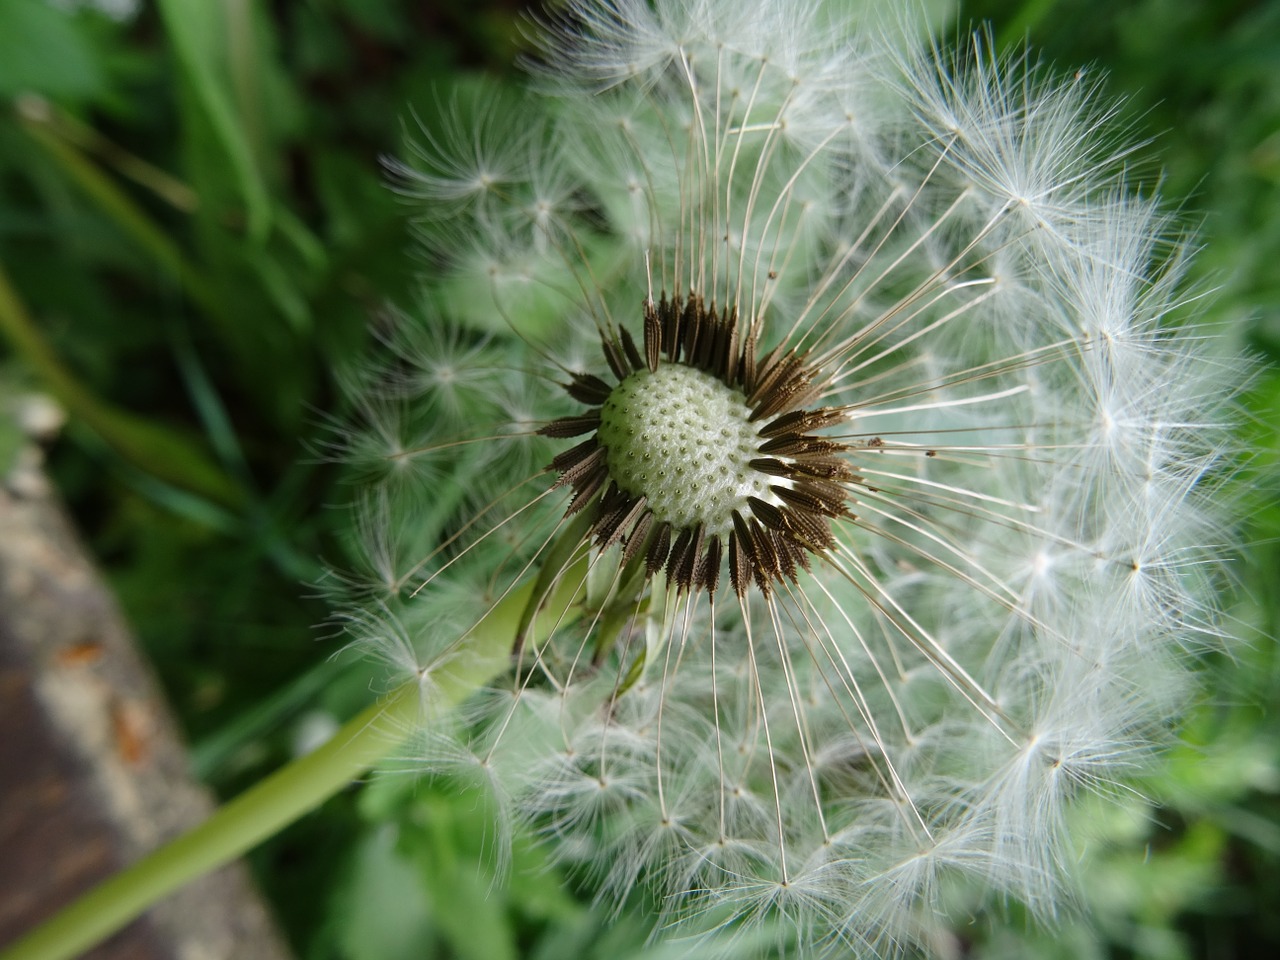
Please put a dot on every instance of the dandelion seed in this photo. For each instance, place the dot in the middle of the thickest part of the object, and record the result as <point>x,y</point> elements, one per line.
<point>890,476</point>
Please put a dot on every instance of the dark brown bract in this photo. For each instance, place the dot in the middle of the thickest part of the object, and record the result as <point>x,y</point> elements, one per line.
<point>772,509</point>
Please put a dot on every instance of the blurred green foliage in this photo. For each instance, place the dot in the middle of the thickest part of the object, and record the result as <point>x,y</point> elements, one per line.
<point>194,239</point>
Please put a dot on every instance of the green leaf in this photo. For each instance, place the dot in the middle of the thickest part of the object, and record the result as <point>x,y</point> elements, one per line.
<point>382,914</point>
<point>474,922</point>
<point>162,452</point>
<point>202,41</point>
<point>42,51</point>
<point>11,437</point>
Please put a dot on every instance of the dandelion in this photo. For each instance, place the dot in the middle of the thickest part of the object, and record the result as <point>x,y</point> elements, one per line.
<point>827,401</point>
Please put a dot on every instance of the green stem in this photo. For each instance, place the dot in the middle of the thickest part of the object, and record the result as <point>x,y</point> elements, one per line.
<point>303,785</point>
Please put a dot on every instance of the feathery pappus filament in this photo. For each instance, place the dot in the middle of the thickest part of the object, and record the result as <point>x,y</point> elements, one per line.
<point>843,387</point>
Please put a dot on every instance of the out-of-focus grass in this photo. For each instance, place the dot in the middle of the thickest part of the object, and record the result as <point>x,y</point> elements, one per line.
<point>194,238</point>
<point>194,227</point>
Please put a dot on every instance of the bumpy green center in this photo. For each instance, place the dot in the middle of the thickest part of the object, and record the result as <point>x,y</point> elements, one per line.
<point>684,441</point>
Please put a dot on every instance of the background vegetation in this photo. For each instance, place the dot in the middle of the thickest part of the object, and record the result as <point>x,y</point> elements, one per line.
<point>194,238</point>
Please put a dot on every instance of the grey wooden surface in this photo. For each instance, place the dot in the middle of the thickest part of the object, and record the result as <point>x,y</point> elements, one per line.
<point>93,773</point>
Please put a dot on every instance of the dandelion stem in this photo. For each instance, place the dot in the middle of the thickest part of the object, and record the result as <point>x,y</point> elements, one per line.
<point>286,795</point>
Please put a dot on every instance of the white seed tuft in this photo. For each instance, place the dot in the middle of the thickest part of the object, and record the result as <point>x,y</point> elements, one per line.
<point>966,575</point>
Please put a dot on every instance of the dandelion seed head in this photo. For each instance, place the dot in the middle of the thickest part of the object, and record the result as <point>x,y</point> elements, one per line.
<point>847,391</point>
<point>683,441</point>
